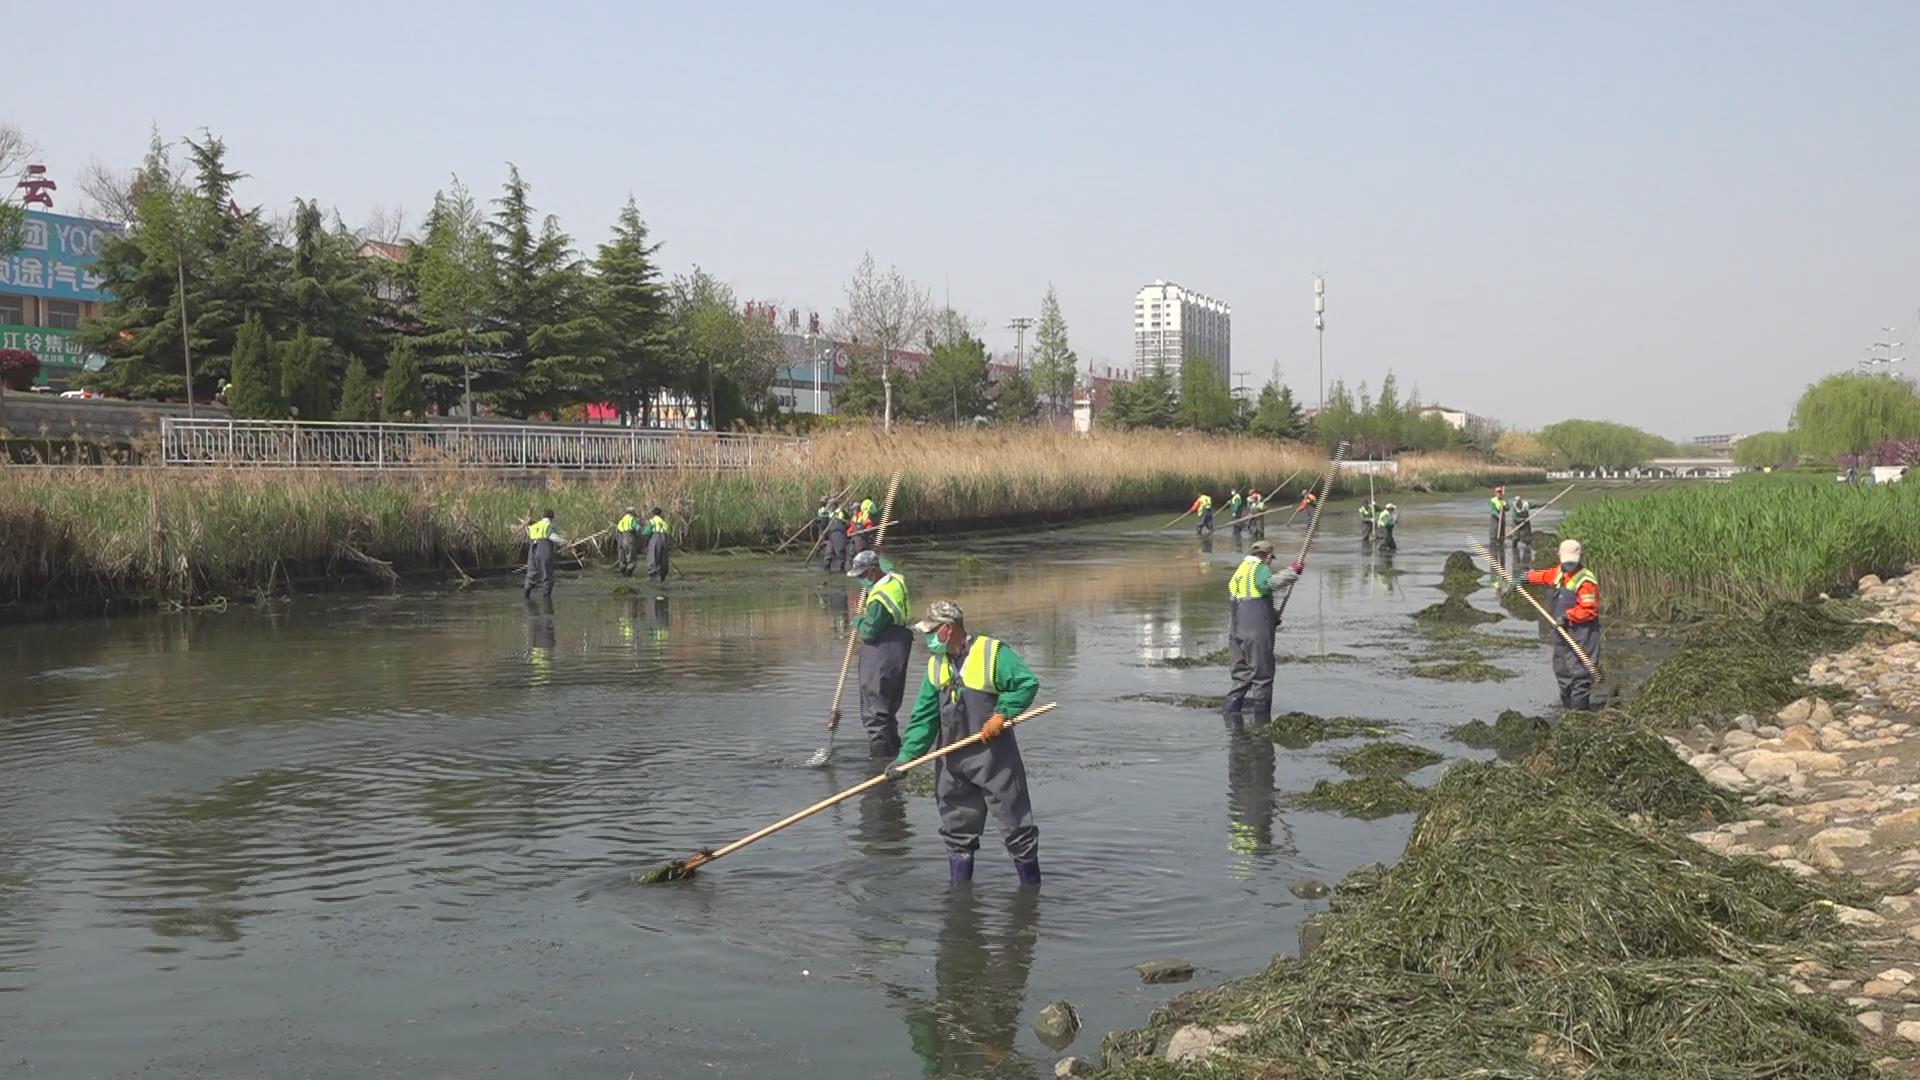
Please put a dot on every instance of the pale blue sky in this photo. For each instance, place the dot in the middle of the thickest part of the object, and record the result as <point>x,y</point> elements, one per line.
<point>1675,214</point>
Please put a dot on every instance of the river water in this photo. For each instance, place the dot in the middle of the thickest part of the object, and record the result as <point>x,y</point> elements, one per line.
<point>397,835</point>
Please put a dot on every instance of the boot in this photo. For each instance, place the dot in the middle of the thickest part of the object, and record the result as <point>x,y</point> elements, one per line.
<point>1029,871</point>
<point>960,867</point>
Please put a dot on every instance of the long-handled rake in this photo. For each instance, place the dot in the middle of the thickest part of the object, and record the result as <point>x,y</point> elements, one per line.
<point>1501,572</point>
<point>684,868</point>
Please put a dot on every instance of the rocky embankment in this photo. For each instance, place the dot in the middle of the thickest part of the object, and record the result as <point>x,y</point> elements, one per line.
<point>1832,784</point>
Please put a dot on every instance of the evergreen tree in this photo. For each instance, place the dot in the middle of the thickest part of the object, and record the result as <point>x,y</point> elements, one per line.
<point>1055,367</point>
<point>303,378</point>
<point>328,288</point>
<point>455,281</point>
<point>951,387</point>
<point>254,390</point>
<point>1206,404</point>
<point>1147,401</point>
<point>545,350</point>
<point>1277,415</point>
<point>403,396</point>
<point>631,304</point>
<point>861,392</point>
<point>1014,400</point>
<point>357,403</point>
<point>1337,419</point>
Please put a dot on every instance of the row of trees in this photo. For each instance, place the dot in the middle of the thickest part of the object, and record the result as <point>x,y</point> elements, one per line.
<point>495,308</point>
<point>1847,418</point>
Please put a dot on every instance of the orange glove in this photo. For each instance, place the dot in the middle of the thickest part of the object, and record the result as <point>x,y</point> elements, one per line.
<point>993,727</point>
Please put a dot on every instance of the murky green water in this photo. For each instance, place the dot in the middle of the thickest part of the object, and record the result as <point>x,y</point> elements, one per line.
<point>395,836</point>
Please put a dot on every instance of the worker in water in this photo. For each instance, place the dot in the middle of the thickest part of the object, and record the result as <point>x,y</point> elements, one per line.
<point>1369,515</point>
<point>627,540</point>
<point>973,685</point>
<point>1497,517</point>
<point>860,529</point>
<point>1383,532</point>
<point>1575,606</point>
<point>836,545</point>
<point>886,644</point>
<point>659,545</point>
<point>542,537</point>
<point>820,517</point>
<point>1306,501</point>
<point>1256,514</point>
<point>1236,508</point>
<point>1255,594</point>
<point>1202,505</point>
<point>1522,522</point>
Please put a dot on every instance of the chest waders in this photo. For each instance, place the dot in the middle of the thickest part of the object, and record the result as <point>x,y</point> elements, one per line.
<point>1576,682</point>
<point>988,776</point>
<point>1250,630</point>
<point>883,669</point>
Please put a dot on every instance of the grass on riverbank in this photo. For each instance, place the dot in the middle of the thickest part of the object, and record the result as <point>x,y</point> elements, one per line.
<point>1740,546</point>
<point>183,535</point>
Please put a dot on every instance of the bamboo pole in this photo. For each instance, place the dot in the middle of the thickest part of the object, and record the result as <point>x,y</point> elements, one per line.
<point>1313,523</point>
<point>853,632</point>
<point>1501,572</point>
<point>676,870</point>
<point>796,533</point>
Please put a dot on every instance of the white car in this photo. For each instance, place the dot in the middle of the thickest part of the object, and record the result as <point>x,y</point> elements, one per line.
<point>78,394</point>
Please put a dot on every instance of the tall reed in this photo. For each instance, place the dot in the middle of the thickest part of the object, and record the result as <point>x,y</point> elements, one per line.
<point>184,534</point>
<point>1741,546</point>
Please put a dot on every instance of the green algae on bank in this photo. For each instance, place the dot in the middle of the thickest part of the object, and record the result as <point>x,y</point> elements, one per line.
<point>1366,797</point>
<point>1512,735</point>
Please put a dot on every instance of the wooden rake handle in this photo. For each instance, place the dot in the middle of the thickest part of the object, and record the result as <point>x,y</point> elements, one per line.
<point>1313,523</point>
<point>1480,549</point>
<point>869,784</point>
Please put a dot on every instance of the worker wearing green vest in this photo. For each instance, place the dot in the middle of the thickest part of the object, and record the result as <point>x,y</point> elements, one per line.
<point>1202,505</point>
<point>886,646</point>
<point>542,536</point>
<point>836,545</point>
<point>1383,528</point>
<point>1497,517</point>
<point>1236,508</point>
<point>973,685</point>
<point>659,545</point>
<point>1254,594</point>
<point>1256,514</point>
<point>627,540</point>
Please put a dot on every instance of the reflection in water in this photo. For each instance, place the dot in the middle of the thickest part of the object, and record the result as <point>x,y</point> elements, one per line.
<point>883,829</point>
<point>540,639</point>
<point>1250,800</point>
<point>968,1025</point>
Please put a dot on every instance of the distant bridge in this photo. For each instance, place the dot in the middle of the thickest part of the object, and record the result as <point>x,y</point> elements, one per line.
<point>1706,468</point>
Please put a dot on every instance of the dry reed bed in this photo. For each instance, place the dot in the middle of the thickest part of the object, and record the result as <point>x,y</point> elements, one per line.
<point>183,535</point>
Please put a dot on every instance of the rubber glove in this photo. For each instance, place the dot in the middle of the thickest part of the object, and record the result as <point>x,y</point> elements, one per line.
<point>1299,566</point>
<point>993,727</point>
<point>894,770</point>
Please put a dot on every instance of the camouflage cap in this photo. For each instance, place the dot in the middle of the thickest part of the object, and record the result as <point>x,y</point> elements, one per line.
<point>940,613</point>
<point>1260,547</point>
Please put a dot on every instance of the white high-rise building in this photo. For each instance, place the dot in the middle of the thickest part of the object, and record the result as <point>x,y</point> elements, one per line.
<point>1171,323</point>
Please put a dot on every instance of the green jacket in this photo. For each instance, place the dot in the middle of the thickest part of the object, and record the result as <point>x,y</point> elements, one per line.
<point>1012,681</point>
<point>875,617</point>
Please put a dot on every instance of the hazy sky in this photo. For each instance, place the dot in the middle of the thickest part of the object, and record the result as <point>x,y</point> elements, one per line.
<point>1674,214</point>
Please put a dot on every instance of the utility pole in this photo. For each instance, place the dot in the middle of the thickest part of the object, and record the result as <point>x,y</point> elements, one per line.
<point>1019,326</point>
<point>1320,330</point>
<point>186,334</point>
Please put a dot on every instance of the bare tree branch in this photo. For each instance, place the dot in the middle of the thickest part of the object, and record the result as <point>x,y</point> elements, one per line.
<point>885,314</point>
<point>16,152</point>
<point>111,193</point>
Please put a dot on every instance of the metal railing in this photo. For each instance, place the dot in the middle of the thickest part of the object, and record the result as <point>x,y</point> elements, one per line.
<point>506,447</point>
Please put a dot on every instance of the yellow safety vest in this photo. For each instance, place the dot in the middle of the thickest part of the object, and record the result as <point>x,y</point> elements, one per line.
<point>976,671</point>
<point>628,523</point>
<point>1243,586</point>
<point>657,523</point>
<point>1496,507</point>
<point>539,529</point>
<point>890,592</point>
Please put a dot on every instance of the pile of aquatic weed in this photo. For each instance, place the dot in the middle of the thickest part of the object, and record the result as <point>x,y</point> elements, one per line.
<point>1387,759</point>
<point>1629,768</point>
<point>1512,735</point>
<point>1183,701</point>
<point>1460,574</point>
<point>1529,931</point>
<point>1463,670</point>
<point>1730,666</point>
<point>1366,798</point>
<point>1298,730</point>
<point>1454,611</point>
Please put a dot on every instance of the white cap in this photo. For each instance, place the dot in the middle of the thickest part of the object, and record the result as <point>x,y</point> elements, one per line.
<point>1569,551</point>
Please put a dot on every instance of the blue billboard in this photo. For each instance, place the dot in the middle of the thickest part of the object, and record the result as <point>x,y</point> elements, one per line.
<point>55,257</point>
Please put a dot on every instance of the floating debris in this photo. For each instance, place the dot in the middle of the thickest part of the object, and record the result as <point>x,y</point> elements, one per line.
<point>1462,671</point>
<point>1299,730</point>
<point>1513,735</point>
<point>1213,659</point>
